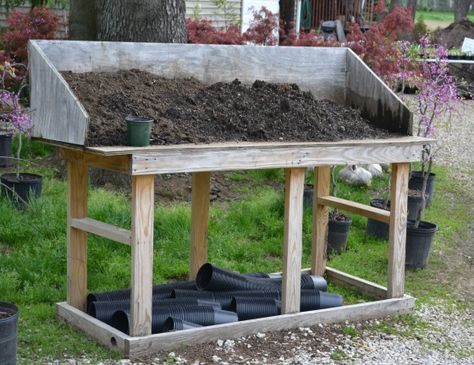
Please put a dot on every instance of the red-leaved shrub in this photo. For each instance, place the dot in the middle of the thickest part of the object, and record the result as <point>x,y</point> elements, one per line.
<point>202,31</point>
<point>38,23</point>
<point>263,29</point>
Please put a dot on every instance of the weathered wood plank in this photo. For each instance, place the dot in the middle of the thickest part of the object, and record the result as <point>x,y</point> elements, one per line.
<point>322,177</point>
<point>365,91</point>
<point>293,240</point>
<point>398,228</point>
<point>98,330</point>
<point>255,158</point>
<point>102,229</point>
<point>366,287</point>
<point>201,188</point>
<point>142,254</point>
<point>77,179</point>
<point>126,150</point>
<point>117,163</point>
<point>58,113</point>
<point>357,312</point>
<point>358,208</point>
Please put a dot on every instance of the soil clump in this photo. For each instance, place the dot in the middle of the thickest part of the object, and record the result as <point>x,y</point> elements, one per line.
<point>188,111</point>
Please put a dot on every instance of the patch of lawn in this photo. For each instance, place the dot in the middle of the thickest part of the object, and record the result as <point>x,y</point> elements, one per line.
<point>443,16</point>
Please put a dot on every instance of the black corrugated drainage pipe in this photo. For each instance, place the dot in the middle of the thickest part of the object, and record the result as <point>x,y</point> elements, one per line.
<point>175,324</point>
<point>159,291</point>
<point>204,316</point>
<point>104,311</point>
<point>213,278</point>
<point>313,299</point>
<point>250,308</point>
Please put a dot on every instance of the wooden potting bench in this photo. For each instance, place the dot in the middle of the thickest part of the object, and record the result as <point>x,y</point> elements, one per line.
<point>337,74</point>
<point>143,163</point>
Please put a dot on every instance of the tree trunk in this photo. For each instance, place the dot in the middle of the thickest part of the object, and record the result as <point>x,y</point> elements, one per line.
<point>412,5</point>
<point>82,19</point>
<point>142,21</point>
<point>461,8</point>
<point>287,14</point>
<point>393,4</point>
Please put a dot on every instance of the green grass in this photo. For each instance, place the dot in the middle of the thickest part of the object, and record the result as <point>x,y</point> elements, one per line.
<point>441,16</point>
<point>244,235</point>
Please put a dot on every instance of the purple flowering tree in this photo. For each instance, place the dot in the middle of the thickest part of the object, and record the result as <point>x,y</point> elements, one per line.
<point>13,117</point>
<point>437,98</point>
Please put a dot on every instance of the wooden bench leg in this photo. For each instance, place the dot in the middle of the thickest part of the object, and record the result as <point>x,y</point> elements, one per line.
<point>201,189</point>
<point>322,178</point>
<point>293,237</point>
<point>142,255</point>
<point>398,227</point>
<point>77,240</point>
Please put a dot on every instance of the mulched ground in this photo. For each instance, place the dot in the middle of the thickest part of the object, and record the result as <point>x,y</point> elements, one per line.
<point>187,111</point>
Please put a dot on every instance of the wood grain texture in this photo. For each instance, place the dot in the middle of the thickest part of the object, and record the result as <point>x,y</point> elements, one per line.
<point>58,114</point>
<point>305,66</point>
<point>77,180</point>
<point>356,312</point>
<point>293,240</point>
<point>195,160</point>
<point>201,188</point>
<point>366,287</point>
<point>322,177</point>
<point>377,102</point>
<point>117,163</point>
<point>235,146</point>
<point>398,228</point>
<point>358,208</point>
<point>102,229</point>
<point>98,330</point>
<point>142,254</point>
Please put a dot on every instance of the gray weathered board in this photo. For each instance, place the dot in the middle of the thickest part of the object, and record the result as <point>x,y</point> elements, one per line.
<point>336,74</point>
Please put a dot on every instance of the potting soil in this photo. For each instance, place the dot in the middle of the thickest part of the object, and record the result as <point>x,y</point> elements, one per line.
<point>188,111</point>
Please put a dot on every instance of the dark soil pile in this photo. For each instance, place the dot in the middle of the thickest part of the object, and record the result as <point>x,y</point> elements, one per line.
<point>453,36</point>
<point>187,111</point>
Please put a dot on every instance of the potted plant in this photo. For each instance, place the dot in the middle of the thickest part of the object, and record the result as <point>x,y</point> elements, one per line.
<point>339,224</point>
<point>436,97</point>
<point>8,333</point>
<point>19,187</point>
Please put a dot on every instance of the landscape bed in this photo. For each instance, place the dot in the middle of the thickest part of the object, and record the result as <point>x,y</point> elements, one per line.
<point>336,74</point>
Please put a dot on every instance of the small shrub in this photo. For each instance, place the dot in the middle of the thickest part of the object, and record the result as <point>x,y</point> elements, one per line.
<point>39,23</point>
<point>263,28</point>
<point>203,32</point>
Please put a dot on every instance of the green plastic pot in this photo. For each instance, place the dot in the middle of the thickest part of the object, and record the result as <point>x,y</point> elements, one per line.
<point>138,130</point>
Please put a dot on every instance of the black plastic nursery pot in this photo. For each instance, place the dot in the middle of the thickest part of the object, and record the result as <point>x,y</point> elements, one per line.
<point>8,333</point>
<point>416,183</point>
<point>5,150</point>
<point>338,233</point>
<point>418,244</point>
<point>376,228</point>
<point>23,189</point>
<point>138,130</point>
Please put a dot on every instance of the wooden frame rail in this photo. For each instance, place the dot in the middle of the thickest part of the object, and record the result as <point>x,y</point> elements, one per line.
<point>102,229</point>
<point>353,207</point>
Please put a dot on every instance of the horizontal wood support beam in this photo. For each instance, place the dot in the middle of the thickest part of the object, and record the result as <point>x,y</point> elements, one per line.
<point>358,208</point>
<point>119,163</point>
<point>103,229</point>
<point>250,157</point>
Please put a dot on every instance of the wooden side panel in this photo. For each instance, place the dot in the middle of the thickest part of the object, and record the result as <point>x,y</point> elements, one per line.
<point>58,114</point>
<point>398,229</point>
<point>306,66</point>
<point>322,177</point>
<point>194,160</point>
<point>77,239</point>
<point>201,187</point>
<point>365,91</point>
<point>142,254</point>
<point>293,240</point>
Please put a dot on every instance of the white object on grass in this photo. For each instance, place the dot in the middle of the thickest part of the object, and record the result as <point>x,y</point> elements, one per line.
<point>375,169</point>
<point>355,175</point>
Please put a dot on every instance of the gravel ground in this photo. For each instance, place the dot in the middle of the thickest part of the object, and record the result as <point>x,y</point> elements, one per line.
<point>443,335</point>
